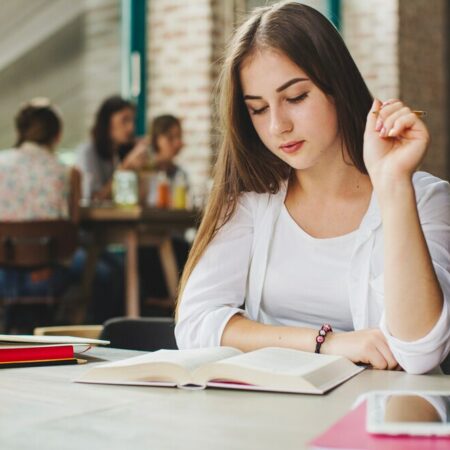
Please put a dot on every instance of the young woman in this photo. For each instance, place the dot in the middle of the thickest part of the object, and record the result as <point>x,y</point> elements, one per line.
<point>34,185</point>
<point>317,215</point>
<point>113,145</point>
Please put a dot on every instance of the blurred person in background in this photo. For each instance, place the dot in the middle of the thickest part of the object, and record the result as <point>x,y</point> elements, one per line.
<point>34,185</point>
<point>113,145</point>
<point>166,139</point>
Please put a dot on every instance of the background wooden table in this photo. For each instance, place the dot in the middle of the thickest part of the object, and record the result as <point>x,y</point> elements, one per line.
<point>42,409</point>
<point>131,227</point>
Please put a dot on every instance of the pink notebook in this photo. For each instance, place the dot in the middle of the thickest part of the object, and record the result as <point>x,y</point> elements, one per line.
<point>349,433</point>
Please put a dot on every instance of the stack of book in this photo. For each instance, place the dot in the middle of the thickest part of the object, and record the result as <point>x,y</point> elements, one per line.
<point>25,350</point>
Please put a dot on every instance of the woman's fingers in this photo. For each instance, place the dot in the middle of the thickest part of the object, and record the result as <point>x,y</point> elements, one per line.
<point>378,352</point>
<point>377,359</point>
<point>394,118</point>
<point>388,356</point>
<point>402,123</point>
<point>390,102</point>
<point>388,108</point>
<point>385,110</point>
<point>390,121</point>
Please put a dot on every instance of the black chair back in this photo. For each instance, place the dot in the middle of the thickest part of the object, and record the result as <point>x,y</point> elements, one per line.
<point>146,333</point>
<point>445,366</point>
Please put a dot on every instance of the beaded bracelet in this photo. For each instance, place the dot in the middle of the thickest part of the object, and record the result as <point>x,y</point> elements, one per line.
<point>320,339</point>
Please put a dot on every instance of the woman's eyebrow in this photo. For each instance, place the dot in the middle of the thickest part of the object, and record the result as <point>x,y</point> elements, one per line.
<point>280,89</point>
<point>290,83</point>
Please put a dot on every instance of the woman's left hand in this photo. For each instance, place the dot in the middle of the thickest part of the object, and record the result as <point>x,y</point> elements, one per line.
<point>395,141</point>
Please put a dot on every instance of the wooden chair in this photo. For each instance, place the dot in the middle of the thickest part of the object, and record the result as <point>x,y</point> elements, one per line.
<point>34,245</point>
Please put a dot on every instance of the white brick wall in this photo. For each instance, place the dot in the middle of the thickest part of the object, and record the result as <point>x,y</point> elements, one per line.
<point>179,74</point>
<point>424,73</point>
<point>370,30</point>
<point>399,47</point>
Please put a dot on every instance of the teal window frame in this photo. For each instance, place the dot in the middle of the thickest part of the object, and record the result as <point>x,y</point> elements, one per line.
<point>134,58</point>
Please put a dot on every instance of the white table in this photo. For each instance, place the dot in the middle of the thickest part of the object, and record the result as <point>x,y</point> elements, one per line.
<point>40,408</point>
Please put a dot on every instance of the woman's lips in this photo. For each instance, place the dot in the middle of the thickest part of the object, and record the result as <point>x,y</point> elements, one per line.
<point>291,147</point>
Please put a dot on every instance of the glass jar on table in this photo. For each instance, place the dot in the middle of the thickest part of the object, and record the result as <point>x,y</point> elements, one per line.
<point>125,188</point>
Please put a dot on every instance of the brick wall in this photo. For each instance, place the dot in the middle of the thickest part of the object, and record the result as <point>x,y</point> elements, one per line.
<point>424,70</point>
<point>180,47</point>
<point>370,30</point>
<point>400,46</point>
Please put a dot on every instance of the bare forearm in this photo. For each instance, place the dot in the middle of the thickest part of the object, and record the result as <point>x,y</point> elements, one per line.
<point>413,297</point>
<point>248,335</point>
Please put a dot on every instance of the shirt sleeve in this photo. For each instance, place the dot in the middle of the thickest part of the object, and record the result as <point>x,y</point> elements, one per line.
<point>426,353</point>
<point>215,290</point>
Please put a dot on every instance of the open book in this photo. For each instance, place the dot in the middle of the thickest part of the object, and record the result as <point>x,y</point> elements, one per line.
<point>267,369</point>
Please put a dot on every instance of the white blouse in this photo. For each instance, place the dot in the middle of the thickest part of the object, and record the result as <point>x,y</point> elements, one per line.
<point>306,278</point>
<point>231,273</point>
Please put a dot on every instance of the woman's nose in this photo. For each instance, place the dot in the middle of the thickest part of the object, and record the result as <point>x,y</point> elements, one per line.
<point>280,123</point>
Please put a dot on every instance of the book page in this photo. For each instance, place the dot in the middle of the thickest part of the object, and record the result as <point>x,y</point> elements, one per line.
<point>281,361</point>
<point>188,359</point>
<point>163,366</point>
<point>278,369</point>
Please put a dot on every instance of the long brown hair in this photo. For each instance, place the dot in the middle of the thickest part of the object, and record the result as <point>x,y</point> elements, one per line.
<point>101,134</point>
<point>244,164</point>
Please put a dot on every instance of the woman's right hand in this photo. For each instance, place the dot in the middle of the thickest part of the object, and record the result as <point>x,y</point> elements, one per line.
<point>138,155</point>
<point>363,346</point>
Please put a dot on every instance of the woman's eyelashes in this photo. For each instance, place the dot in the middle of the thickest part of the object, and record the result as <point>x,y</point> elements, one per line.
<point>258,111</point>
<point>294,100</point>
<point>298,99</point>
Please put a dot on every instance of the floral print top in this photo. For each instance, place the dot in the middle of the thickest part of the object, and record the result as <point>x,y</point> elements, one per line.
<point>33,184</point>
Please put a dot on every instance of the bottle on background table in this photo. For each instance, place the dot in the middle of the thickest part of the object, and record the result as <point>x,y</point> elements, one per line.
<point>162,190</point>
<point>179,191</point>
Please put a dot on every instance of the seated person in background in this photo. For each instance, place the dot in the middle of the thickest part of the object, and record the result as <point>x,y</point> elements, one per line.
<point>34,185</point>
<point>166,137</point>
<point>113,145</point>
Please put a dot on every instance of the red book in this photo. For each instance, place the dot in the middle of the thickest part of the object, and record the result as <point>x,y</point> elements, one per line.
<point>350,433</point>
<point>35,353</point>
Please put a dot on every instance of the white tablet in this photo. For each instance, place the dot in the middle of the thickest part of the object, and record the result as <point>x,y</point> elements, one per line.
<point>424,413</point>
